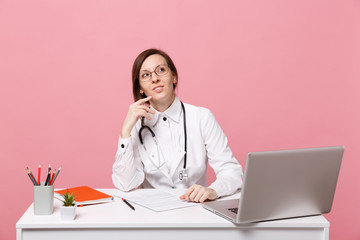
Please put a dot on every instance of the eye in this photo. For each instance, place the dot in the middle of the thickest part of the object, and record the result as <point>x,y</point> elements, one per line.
<point>161,70</point>
<point>144,75</point>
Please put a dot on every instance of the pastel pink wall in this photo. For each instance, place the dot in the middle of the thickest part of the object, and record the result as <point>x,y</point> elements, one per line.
<point>276,74</point>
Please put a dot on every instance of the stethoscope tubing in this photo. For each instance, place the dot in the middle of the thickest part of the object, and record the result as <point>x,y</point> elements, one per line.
<point>153,134</point>
<point>185,134</point>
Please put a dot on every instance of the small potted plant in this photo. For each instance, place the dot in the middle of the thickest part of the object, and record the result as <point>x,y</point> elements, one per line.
<point>68,210</point>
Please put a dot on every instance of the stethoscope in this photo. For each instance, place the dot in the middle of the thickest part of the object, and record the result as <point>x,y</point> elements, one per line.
<point>183,173</point>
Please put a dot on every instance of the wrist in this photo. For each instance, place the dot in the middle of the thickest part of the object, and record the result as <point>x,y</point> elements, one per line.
<point>213,194</point>
<point>125,133</point>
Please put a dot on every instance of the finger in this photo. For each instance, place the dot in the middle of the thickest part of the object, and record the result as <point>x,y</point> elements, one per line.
<point>194,193</point>
<point>143,106</point>
<point>140,111</point>
<point>199,195</point>
<point>147,109</point>
<point>204,197</point>
<point>151,111</point>
<point>147,116</point>
<point>188,192</point>
<point>182,197</point>
<point>143,100</point>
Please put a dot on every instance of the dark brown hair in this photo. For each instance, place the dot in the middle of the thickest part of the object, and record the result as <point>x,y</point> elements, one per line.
<point>138,63</point>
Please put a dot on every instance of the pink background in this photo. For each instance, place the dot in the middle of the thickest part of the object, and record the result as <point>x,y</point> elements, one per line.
<point>276,74</point>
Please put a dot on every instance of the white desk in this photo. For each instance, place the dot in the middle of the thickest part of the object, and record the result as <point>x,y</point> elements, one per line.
<point>117,221</point>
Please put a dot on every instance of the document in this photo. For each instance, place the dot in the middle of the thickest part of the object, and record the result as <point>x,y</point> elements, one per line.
<point>157,200</point>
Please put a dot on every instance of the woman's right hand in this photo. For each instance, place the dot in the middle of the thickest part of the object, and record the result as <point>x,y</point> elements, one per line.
<point>136,110</point>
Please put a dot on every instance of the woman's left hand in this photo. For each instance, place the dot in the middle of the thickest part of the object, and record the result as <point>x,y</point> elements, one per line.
<point>198,193</point>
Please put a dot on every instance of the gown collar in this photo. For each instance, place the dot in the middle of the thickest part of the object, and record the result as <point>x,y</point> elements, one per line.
<point>173,112</point>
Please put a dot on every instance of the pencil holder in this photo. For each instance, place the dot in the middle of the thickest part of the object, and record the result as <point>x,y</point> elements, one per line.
<point>43,199</point>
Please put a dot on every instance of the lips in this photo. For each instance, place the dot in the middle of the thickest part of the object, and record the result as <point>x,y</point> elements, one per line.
<point>158,88</point>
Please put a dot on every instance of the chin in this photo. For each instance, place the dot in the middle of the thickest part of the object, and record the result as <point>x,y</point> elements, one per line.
<point>159,97</point>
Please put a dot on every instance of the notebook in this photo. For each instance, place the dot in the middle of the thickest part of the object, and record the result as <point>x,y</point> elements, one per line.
<point>284,184</point>
<point>85,195</point>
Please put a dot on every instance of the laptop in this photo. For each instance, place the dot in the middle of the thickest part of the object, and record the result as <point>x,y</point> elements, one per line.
<point>284,184</point>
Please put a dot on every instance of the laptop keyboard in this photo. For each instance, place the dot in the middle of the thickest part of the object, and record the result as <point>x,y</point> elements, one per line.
<point>234,210</point>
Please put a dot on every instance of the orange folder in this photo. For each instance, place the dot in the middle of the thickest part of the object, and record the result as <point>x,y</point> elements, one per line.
<point>85,195</point>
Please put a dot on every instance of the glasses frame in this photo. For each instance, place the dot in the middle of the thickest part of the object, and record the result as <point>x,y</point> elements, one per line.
<point>146,80</point>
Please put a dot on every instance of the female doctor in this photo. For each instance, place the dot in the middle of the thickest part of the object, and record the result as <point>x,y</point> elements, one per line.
<point>165,143</point>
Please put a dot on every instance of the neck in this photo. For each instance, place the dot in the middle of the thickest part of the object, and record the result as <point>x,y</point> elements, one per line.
<point>162,106</point>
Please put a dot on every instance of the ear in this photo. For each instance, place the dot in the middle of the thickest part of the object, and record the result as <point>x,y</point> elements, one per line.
<point>175,81</point>
<point>142,93</point>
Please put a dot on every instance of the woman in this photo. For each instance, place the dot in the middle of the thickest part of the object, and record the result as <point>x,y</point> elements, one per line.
<point>165,143</point>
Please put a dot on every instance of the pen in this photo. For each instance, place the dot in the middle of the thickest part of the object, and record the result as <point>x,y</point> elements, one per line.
<point>30,176</point>
<point>56,175</point>
<point>127,203</point>
<point>39,171</point>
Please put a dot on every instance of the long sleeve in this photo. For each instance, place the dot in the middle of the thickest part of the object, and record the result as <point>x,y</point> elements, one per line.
<point>227,169</point>
<point>127,169</point>
<point>158,162</point>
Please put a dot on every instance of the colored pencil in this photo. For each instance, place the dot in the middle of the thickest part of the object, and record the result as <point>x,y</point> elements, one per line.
<point>31,178</point>
<point>39,173</point>
<point>56,175</point>
<point>52,178</point>
<point>31,174</point>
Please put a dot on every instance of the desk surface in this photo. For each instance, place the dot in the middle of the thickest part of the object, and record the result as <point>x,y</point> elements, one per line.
<point>118,215</point>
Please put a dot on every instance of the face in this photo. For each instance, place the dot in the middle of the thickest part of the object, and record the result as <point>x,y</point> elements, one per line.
<point>161,88</point>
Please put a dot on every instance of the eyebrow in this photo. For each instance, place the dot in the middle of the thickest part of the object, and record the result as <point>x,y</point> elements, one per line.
<point>146,70</point>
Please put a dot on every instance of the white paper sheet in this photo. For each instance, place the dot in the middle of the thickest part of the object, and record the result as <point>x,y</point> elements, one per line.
<point>154,199</point>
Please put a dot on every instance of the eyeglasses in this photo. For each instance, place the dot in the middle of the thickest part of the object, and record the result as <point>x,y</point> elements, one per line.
<point>160,70</point>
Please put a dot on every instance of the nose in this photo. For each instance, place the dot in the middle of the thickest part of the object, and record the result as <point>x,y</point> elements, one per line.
<point>154,77</point>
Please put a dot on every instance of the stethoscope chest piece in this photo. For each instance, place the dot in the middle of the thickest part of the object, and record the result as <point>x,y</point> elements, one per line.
<point>183,175</point>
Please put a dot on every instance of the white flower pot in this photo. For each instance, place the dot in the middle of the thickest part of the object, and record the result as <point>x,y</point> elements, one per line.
<point>68,213</point>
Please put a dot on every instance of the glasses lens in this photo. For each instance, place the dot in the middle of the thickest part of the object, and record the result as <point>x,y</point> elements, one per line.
<point>162,70</point>
<point>159,70</point>
<point>144,76</point>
